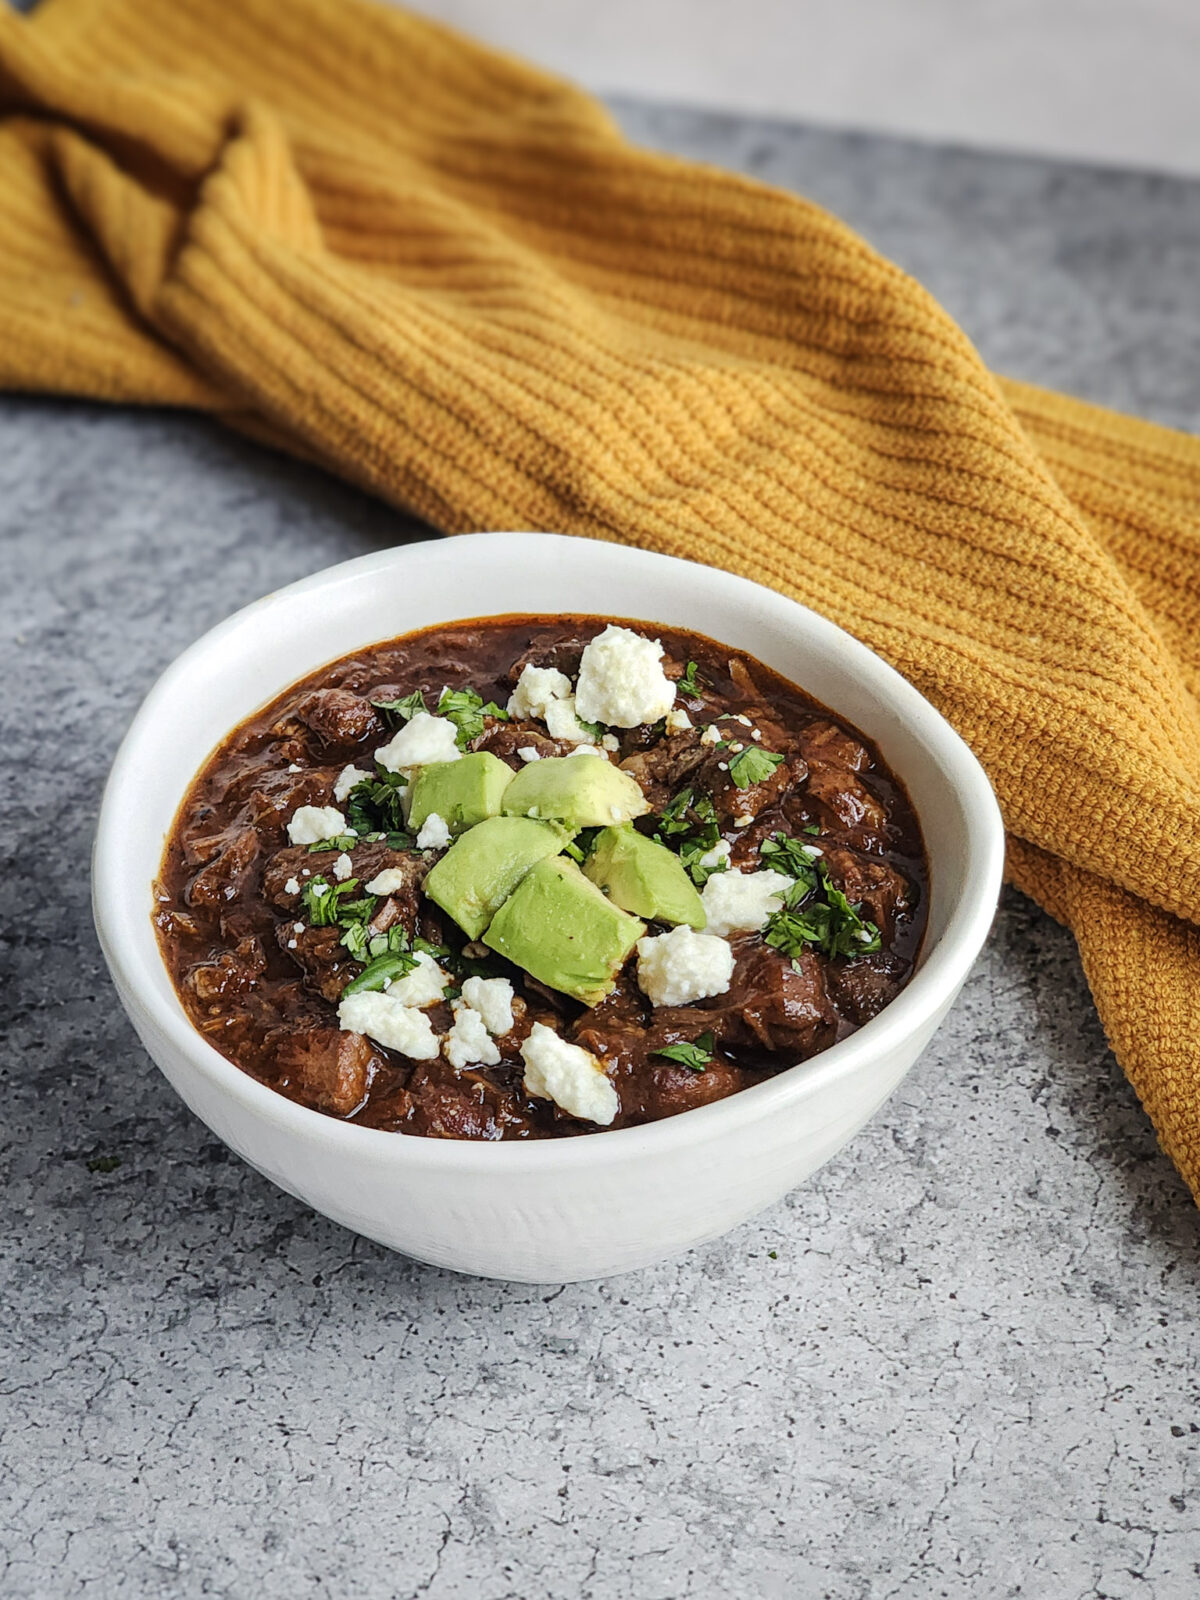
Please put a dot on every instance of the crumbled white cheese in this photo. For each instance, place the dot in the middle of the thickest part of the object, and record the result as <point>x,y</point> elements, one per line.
<point>681,966</point>
<point>343,867</point>
<point>295,767</point>
<point>587,750</point>
<point>714,859</point>
<point>756,733</point>
<point>346,780</point>
<point>568,1075</point>
<point>297,927</point>
<point>678,720</point>
<point>312,824</point>
<point>468,1042</point>
<point>422,740</point>
<point>423,986</point>
<point>562,722</point>
<point>744,821</point>
<point>741,902</point>
<point>291,944</point>
<point>742,718</point>
<point>528,753</point>
<point>621,680</point>
<point>536,688</point>
<point>390,1023</point>
<point>609,741</point>
<point>434,834</point>
<point>292,886</point>
<point>388,881</point>
<point>711,734</point>
<point>492,998</point>
<point>736,748</point>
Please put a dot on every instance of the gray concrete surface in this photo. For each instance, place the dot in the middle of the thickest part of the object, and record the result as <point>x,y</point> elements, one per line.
<point>961,1362</point>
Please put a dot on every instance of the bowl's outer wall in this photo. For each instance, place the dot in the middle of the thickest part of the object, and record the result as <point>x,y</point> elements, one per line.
<point>538,1218</point>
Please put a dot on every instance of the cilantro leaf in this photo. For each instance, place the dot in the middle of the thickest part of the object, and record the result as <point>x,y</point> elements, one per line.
<point>689,825</point>
<point>688,684</point>
<point>752,765</point>
<point>402,710</point>
<point>696,1055</point>
<point>816,914</point>
<point>343,842</point>
<point>322,900</point>
<point>466,710</point>
<point>381,971</point>
<point>375,805</point>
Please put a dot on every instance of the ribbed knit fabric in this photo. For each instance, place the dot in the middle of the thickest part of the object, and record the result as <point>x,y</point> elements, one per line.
<point>361,237</point>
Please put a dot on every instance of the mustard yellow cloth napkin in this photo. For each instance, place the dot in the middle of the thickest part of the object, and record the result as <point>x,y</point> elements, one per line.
<point>367,240</point>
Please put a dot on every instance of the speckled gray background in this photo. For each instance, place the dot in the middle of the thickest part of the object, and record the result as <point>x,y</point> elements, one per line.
<point>960,1362</point>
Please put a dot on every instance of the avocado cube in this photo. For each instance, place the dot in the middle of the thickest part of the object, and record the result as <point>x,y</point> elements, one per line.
<point>483,867</point>
<point>461,792</point>
<point>560,929</point>
<point>644,877</point>
<point>582,791</point>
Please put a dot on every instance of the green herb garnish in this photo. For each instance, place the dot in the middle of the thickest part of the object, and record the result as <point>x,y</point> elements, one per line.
<point>377,974</point>
<point>376,805</point>
<point>816,914</point>
<point>689,825</point>
<point>404,709</point>
<point>696,1055</point>
<point>323,901</point>
<point>104,1163</point>
<point>812,828</point>
<point>342,842</point>
<point>466,710</point>
<point>688,683</point>
<point>751,765</point>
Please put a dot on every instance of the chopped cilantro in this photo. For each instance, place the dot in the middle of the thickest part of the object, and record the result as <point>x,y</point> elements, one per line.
<point>343,842</point>
<point>688,684</point>
<point>696,1055</point>
<point>689,825</point>
<point>816,914</point>
<point>596,729</point>
<point>466,710</point>
<point>402,710</point>
<point>375,805</point>
<point>381,971</point>
<point>798,860</point>
<point>773,1255</point>
<point>104,1163</point>
<point>812,828</point>
<point>752,764</point>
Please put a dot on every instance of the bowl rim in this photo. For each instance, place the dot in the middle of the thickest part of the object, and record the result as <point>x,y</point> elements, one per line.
<point>944,965</point>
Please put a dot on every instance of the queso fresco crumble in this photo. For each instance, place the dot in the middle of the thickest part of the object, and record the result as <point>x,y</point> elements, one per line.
<point>398,896</point>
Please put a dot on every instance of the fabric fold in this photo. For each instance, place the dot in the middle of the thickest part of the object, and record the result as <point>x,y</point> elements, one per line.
<point>355,234</point>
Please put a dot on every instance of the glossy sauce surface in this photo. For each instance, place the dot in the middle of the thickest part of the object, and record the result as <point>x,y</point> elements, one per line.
<point>262,986</point>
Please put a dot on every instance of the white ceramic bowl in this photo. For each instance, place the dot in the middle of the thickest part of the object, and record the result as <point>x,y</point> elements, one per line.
<point>563,1209</point>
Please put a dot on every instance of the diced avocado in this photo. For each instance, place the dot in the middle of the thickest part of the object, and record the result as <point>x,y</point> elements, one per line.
<point>461,792</point>
<point>559,928</point>
<point>483,867</point>
<point>582,791</point>
<point>643,877</point>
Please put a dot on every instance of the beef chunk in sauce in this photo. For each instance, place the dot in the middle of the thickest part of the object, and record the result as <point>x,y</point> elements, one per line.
<point>263,984</point>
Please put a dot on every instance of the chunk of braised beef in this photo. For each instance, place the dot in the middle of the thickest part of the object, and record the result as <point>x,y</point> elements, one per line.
<point>299,865</point>
<point>547,650</point>
<point>773,1003</point>
<point>326,1068</point>
<point>650,1085</point>
<point>731,802</point>
<point>505,739</point>
<point>842,805</point>
<point>861,988</point>
<point>223,879</point>
<point>883,892</point>
<point>340,717</point>
<point>824,744</point>
<point>321,956</point>
<point>267,785</point>
<point>232,972</point>
<point>460,1105</point>
<point>665,767</point>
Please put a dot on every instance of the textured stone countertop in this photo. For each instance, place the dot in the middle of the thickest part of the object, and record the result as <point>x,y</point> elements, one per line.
<point>962,1361</point>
